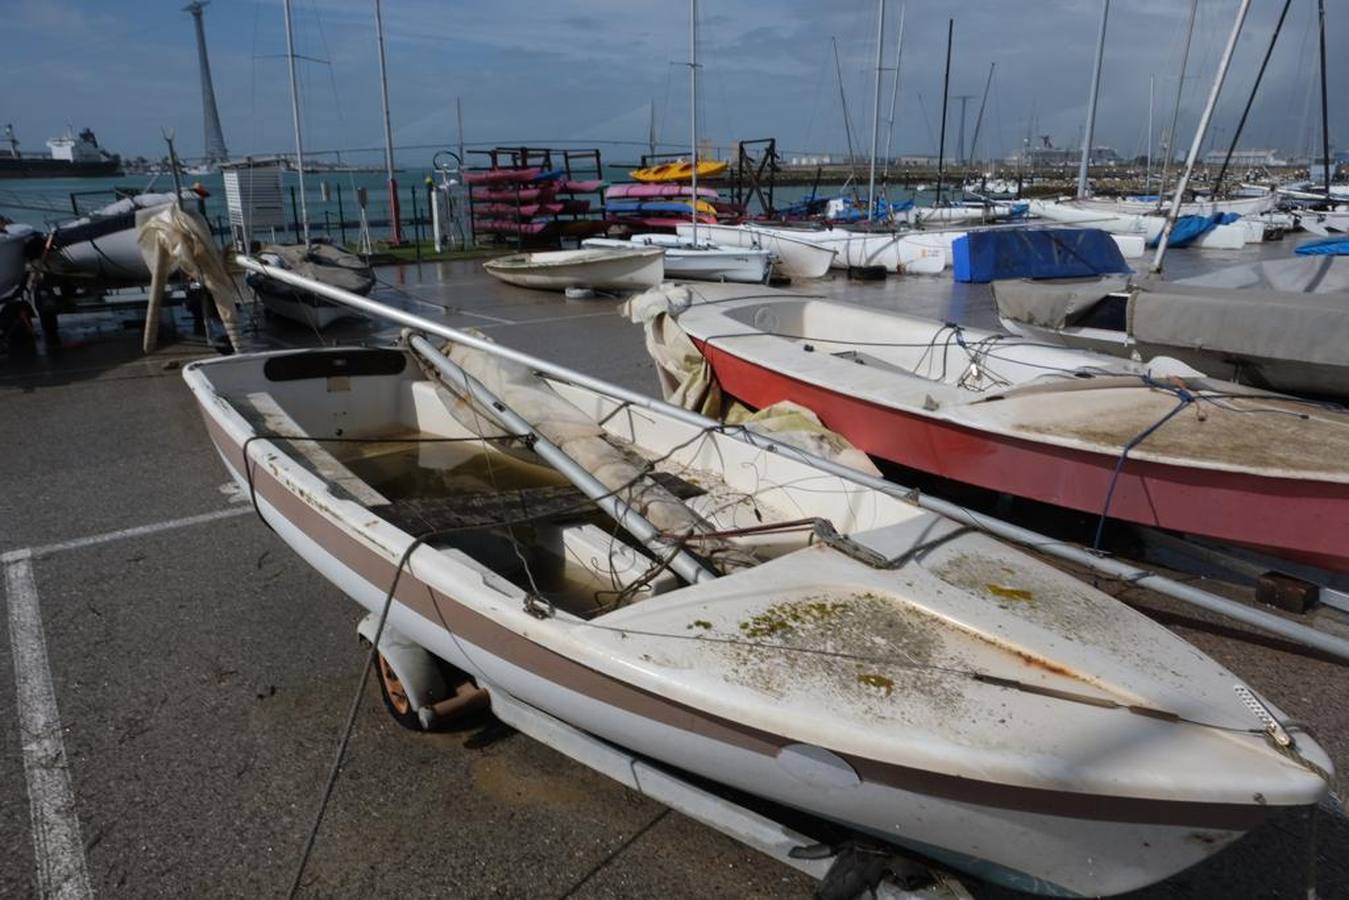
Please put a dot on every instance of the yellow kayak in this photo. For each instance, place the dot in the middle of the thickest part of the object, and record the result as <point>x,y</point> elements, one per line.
<point>680,171</point>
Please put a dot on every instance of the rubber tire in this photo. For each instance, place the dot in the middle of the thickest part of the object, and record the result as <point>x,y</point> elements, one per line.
<point>397,703</point>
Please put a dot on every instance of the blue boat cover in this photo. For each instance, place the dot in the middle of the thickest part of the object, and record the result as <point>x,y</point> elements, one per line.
<point>680,207</point>
<point>1332,246</point>
<point>983,256</point>
<point>1190,228</point>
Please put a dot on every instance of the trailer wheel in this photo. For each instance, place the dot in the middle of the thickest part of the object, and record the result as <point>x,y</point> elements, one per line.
<point>395,697</point>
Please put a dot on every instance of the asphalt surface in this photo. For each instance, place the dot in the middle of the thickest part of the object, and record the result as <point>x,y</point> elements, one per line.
<point>203,672</point>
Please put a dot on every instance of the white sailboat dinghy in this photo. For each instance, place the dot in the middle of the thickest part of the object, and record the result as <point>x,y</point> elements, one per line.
<point>705,261</point>
<point>757,622</point>
<point>601,268</point>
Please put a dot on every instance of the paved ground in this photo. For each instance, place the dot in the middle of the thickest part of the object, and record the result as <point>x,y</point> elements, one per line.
<point>202,672</point>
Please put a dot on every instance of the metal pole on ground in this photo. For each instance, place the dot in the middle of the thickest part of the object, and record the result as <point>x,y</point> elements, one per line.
<point>1294,631</point>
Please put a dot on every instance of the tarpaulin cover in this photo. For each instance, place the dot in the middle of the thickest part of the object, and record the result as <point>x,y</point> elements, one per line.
<point>1188,229</point>
<point>983,256</point>
<point>1306,327</point>
<point>1054,304</point>
<point>1336,246</point>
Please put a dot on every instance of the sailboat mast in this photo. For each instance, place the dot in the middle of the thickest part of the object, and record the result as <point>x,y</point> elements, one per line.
<point>979,119</point>
<point>1091,104</point>
<point>1175,115</point>
<point>876,109</point>
<point>843,102</point>
<point>894,94</point>
<point>693,115</point>
<point>295,118</point>
<point>1250,100</point>
<point>1147,173</point>
<point>1325,116</point>
<point>395,230</point>
<point>1198,141</point>
<point>459,119</point>
<point>945,98</point>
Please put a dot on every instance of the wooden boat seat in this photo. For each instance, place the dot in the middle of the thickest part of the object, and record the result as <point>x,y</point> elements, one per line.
<point>267,417</point>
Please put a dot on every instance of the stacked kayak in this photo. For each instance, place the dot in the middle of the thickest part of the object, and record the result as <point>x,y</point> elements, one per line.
<point>527,201</point>
<point>681,170</point>
<point>644,206</point>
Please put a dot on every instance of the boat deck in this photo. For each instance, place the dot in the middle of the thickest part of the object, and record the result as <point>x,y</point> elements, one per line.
<point>201,673</point>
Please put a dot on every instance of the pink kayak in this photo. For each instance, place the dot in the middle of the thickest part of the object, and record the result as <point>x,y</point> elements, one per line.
<point>580,187</point>
<point>502,176</point>
<point>502,226</point>
<point>529,210</point>
<point>637,190</point>
<point>523,195</point>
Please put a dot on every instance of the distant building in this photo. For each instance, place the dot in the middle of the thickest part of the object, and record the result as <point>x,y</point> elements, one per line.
<point>823,159</point>
<point>1048,156</point>
<point>1245,158</point>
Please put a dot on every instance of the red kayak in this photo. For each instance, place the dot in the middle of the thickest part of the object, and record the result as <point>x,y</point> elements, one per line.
<point>1164,447</point>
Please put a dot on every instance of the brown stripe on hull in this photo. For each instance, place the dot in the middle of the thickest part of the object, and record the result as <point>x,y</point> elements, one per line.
<point>500,641</point>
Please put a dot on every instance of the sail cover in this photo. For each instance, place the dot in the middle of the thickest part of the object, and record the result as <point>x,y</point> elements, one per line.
<point>1308,327</point>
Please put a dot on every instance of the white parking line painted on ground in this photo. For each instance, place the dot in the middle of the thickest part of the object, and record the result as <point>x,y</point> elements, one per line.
<point>138,531</point>
<point>543,320</point>
<point>58,849</point>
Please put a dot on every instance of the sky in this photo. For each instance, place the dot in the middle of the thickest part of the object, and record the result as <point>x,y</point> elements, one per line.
<point>548,71</point>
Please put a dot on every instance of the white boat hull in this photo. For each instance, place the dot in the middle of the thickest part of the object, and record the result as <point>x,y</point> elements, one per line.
<point>706,262</point>
<point>639,678</point>
<point>1243,205</point>
<point>796,257</point>
<point>314,313</point>
<point>13,262</point>
<point>607,270</point>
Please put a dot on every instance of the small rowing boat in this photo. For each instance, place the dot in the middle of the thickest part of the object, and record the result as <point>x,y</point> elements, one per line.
<point>609,269</point>
<point>782,633</point>
<point>703,261</point>
<point>323,262</point>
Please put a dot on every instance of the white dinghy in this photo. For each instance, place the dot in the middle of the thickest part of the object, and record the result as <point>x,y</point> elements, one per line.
<point>704,261</point>
<point>601,268</point>
<point>795,256</point>
<point>756,621</point>
<point>324,262</point>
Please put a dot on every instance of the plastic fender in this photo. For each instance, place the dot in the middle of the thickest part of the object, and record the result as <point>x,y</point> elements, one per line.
<point>415,667</point>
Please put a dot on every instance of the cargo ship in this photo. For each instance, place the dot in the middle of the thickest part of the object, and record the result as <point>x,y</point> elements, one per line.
<point>69,156</point>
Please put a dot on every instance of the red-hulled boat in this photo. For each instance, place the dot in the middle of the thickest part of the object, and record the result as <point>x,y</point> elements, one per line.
<point>1159,445</point>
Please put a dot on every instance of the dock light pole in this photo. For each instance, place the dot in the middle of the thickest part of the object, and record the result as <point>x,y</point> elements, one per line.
<point>1213,93</point>
<point>396,231</point>
<point>1091,104</point>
